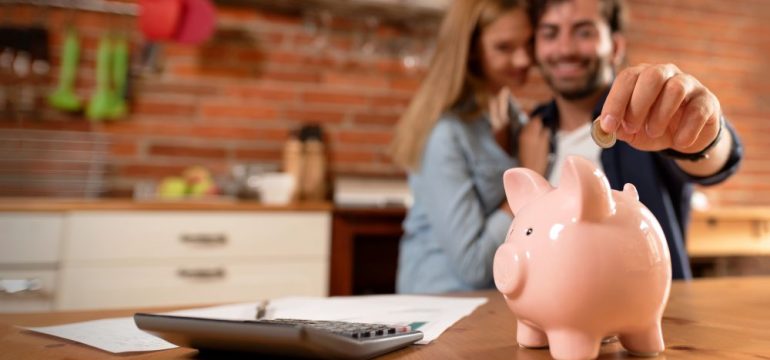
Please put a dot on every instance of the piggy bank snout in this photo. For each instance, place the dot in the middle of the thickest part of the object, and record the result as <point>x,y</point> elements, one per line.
<point>509,270</point>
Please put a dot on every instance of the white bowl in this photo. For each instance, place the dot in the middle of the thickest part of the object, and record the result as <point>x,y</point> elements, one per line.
<point>275,188</point>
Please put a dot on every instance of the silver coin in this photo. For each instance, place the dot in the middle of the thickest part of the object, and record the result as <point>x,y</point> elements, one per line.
<point>603,139</point>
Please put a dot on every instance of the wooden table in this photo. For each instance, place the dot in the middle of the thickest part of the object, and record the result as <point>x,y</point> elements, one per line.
<point>726,318</point>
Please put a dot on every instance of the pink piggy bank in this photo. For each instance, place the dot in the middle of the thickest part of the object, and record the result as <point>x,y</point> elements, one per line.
<point>581,263</point>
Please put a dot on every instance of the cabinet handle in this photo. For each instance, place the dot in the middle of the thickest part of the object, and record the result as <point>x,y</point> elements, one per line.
<point>15,286</point>
<point>204,239</point>
<point>213,273</point>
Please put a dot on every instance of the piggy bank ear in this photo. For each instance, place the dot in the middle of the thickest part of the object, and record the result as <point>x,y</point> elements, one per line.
<point>630,190</point>
<point>588,189</point>
<point>522,185</point>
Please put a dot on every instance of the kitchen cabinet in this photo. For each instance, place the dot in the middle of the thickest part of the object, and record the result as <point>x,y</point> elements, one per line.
<point>730,241</point>
<point>30,246</point>
<point>156,255</point>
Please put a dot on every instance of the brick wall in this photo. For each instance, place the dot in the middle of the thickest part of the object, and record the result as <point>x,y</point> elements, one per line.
<point>237,98</point>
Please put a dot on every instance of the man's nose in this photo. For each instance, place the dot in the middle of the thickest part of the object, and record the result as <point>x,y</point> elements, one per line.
<point>565,44</point>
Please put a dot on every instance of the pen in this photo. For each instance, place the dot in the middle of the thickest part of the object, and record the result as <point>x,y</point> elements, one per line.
<point>262,309</point>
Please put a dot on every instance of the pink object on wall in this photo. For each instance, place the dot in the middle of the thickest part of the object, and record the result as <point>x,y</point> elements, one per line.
<point>160,19</point>
<point>198,22</point>
<point>581,263</point>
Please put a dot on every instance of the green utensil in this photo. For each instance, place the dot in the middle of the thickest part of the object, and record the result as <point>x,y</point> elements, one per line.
<point>120,60</point>
<point>100,106</point>
<point>64,97</point>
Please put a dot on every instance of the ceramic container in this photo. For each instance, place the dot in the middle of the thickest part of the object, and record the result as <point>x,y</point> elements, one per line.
<point>581,263</point>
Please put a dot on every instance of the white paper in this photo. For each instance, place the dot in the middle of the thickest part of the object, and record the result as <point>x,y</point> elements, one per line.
<point>436,312</point>
<point>115,335</point>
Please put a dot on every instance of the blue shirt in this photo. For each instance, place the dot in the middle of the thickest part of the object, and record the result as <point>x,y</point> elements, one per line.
<point>455,225</point>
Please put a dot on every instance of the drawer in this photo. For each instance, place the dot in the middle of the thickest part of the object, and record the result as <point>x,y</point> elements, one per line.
<point>29,238</point>
<point>728,238</point>
<point>101,236</point>
<point>27,290</point>
<point>189,283</point>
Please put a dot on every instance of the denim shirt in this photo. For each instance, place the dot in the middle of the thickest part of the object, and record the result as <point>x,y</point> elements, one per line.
<point>455,225</point>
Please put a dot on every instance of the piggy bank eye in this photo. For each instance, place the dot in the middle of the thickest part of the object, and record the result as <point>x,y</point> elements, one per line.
<point>529,231</point>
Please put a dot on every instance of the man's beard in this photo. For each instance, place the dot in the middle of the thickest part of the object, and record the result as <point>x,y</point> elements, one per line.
<point>591,84</point>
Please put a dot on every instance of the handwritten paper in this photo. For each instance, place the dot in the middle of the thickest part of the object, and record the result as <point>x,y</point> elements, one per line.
<point>115,335</point>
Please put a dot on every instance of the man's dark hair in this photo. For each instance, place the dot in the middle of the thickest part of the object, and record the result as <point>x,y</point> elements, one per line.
<point>612,11</point>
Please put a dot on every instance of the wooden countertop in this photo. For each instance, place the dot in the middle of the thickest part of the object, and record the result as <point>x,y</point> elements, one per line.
<point>733,213</point>
<point>725,318</point>
<point>56,204</point>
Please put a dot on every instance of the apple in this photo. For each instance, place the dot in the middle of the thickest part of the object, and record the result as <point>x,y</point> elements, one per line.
<point>202,188</point>
<point>172,187</point>
<point>196,174</point>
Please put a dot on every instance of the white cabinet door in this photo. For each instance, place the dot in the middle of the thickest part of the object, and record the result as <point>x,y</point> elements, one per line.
<point>156,258</point>
<point>30,238</point>
<point>190,283</point>
<point>108,236</point>
<point>27,290</point>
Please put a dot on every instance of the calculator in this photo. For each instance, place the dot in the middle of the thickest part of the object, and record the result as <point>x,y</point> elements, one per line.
<point>284,337</point>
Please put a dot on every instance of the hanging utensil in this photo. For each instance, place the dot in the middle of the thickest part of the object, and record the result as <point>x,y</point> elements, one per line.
<point>100,105</point>
<point>64,97</point>
<point>120,60</point>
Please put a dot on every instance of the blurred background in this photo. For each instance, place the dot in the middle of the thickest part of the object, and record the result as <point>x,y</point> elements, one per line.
<point>99,101</point>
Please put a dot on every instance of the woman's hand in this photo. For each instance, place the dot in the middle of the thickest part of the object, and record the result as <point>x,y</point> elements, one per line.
<point>499,119</point>
<point>534,141</point>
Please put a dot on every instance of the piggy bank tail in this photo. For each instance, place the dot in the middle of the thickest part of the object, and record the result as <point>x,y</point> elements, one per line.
<point>509,271</point>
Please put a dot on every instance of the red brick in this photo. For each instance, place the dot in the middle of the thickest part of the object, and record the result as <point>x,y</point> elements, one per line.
<point>258,154</point>
<point>352,156</point>
<point>355,80</point>
<point>124,148</point>
<point>274,18</point>
<point>374,119</point>
<point>297,75</point>
<point>393,101</point>
<point>187,151</point>
<point>333,98</point>
<point>196,71</point>
<point>410,84</point>
<point>150,106</point>
<point>222,110</point>
<point>236,13</point>
<point>149,170</point>
<point>362,137</point>
<point>254,92</point>
<point>240,133</point>
<point>315,116</point>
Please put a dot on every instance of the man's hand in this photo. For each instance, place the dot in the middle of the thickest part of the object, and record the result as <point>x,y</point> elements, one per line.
<point>657,107</point>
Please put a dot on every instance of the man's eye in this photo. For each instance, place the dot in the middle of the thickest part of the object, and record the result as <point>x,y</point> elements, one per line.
<point>585,34</point>
<point>529,231</point>
<point>547,35</point>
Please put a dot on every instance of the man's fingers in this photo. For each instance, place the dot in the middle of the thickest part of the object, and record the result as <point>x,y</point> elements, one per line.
<point>648,88</point>
<point>671,99</point>
<point>614,110</point>
<point>695,116</point>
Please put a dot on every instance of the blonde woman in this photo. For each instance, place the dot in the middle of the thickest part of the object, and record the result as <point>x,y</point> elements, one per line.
<point>456,140</point>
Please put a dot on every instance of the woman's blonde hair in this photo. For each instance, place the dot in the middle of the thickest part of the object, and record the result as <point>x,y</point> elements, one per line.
<point>453,75</point>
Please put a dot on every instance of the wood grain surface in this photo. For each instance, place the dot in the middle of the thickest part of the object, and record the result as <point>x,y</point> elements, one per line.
<point>726,318</point>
